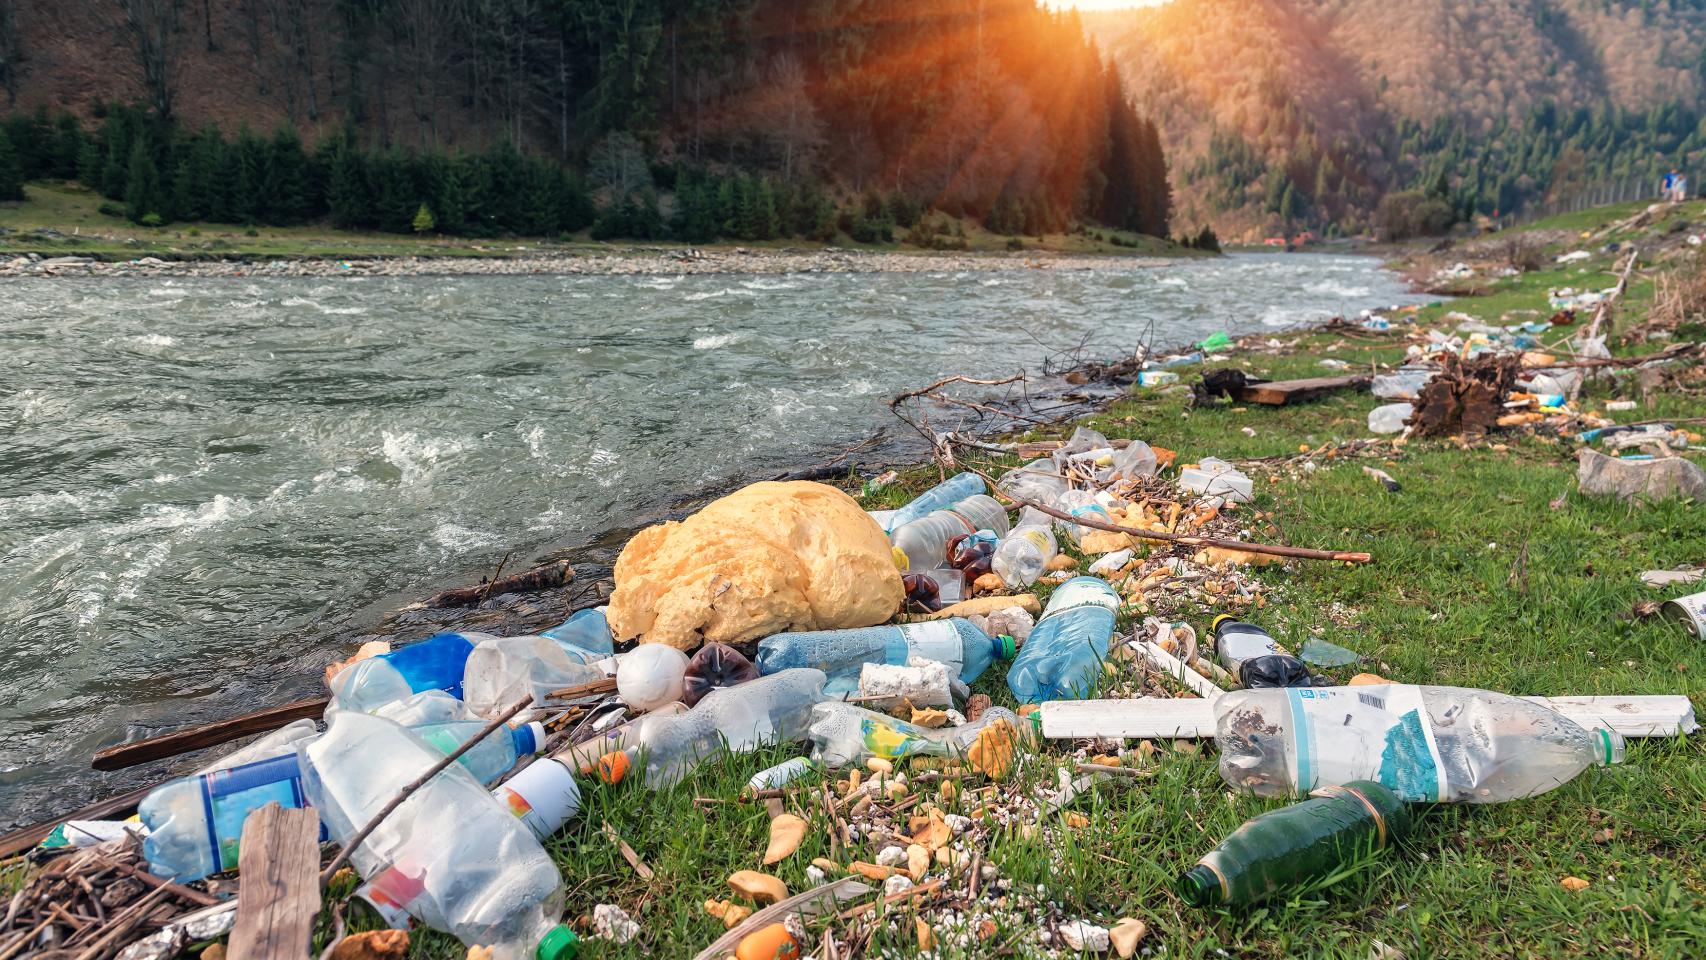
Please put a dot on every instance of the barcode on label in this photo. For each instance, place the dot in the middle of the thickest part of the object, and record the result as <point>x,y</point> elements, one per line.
<point>1370,700</point>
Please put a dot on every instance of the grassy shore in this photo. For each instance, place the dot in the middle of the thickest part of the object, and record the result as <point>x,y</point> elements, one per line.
<point>1490,571</point>
<point>64,219</point>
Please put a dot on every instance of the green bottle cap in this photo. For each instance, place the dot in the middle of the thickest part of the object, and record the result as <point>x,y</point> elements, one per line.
<point>560,943</point>
<point>1006,648</point>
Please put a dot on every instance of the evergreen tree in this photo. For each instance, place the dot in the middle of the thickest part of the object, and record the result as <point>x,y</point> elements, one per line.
<point>396,196</point>
<point>348,196</point>
<point>68,145</point>
<point>449,198</point>
<point>287,177</point>
<point>574,204</point>
<point>142,183</point>
<point>11,170</point>
<point>206,176</point>
<point>423,221</point>
<point>539,212</point>
<point>765,220</point>
<point>186,203</point>
<point>244,172</point>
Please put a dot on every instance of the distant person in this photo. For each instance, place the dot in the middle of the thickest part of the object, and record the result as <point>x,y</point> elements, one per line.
<point>1681,187</point>
<point>1669,191</point>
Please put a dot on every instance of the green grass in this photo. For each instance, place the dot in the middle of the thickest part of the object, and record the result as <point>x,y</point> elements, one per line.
<point>64,219</point>
<point>1477,581</point>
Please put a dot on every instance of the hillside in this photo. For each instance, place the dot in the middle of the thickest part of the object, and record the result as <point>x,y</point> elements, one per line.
<point>1342,101</point>
<point>748,119</point>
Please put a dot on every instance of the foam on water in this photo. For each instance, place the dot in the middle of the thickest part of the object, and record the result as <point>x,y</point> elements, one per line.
<point>715,341</point>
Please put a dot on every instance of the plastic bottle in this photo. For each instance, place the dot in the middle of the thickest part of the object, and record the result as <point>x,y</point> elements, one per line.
<point>924,542</point>
<point>492,757</point>
<point>436,663</point>
<point>1215,477</point>
<point>771,709</point>
<point>715,665</point>
<point>844,734</point>
<point>651,675</point>
<point>451,855</point>
<point>502,670</point>
<point>1081,503</point>
<point>1062,658</point>
<point>955,642</point>
<point>1254,658</point>
<point>432,706</point>
<point>1038,480</point>
<point>1426,744</point>
<point>544,795</point>
<point>1306,841</point>
<point>1389,418</point>
<point>584,756</point>
<point>195,822</point>
<point>1022,555</point>
<point>587,630</point>
<point>942,495</point>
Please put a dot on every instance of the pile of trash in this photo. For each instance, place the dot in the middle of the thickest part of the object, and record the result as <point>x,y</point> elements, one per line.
<point>784,613</point>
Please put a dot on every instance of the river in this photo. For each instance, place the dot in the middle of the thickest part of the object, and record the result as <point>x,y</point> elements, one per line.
<point>202,481</point>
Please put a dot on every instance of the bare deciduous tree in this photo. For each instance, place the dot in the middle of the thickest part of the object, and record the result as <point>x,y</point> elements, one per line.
<point>154,26</point>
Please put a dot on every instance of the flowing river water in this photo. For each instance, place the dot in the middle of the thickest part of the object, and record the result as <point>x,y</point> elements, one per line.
<point>203,481</point>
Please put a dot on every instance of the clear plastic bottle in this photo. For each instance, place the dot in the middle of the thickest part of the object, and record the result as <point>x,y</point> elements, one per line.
<point>588,630</point>
<point>1038,480</point>
<point>1081,503</point>
<point>431,706</point>
<point>583,756</point>
<point>941,496</point>
<point>195,822</point>
<point>1062,658</point>
<point>451,855</point>
<point>924,542</point>
<point>1426,744</point>
<point>840,654</point>
<point>772,709</point>
<point>493,756</point>
<point>1023,554</point>
<point>502,670</point>
<point>844,734</point>
<point>436,663</point>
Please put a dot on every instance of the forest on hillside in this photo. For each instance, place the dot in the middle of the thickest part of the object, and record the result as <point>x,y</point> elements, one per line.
<point>1285,115</point>
<point>693,119</point>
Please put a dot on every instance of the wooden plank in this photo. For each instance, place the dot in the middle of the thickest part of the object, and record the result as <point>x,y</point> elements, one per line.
<point>1636,716</point>
<point>280,893</point>
<point>206,735</point>
<point>113,808</point>
<point>1278,393</point>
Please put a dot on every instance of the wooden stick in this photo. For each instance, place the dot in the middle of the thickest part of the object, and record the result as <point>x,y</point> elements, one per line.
<point>906,894</point>
<point>1180,671</point>
<point>24,838</point>
<point>207,735</point>
<point>806,904</point>
<point>176,889</point>
<point>419,782</point>
<point>606,685</point>
<point>1302,553</point>
<point>628,853</point>
<point>542,577</point>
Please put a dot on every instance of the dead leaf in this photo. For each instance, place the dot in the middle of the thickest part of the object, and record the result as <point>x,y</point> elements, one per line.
<point>786,832</point>
<point>371,945</point>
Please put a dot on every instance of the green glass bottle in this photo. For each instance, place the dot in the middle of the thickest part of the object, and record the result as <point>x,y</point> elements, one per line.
<point>1305,841</point>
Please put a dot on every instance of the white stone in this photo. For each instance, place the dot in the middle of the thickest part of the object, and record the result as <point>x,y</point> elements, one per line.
<point>1085,937</point>
<point>610,922</point>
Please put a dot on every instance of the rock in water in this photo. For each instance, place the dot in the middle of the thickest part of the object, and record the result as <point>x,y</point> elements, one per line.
<point>1659,479</point>
<point>772,557</point>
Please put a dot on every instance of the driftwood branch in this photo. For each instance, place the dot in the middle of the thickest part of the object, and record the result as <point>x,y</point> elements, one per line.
<point>1278,550</point>
<point>542,577</point>
<point>419,782</point>
<point>1603,310</point>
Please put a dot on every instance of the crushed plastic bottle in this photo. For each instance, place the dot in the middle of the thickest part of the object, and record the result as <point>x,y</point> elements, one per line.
<point>1311,840</point>
<point>583,756</point>
<point>844,734</point>
<point>1390,417</point>
<point>452,854</point>
<point>195,822</point>
<point>924,542</point>
<point>772,709</point>
<point>955,642</point>
<point>436,663</point>
<point>502,670</point>
<point>1216,477</point>
<point>1062,658</point>
<point>587,630</point>
<point>1084,505</point>
<point>1038,480</point>
<point>1136,460</point>
<point>715,665</point>
<point>939,497</point>
<point>1022,555</point>
<point>1426,744</point>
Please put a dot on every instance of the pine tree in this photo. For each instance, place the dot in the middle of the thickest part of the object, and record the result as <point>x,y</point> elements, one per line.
<point>11,170</point>
<point>397,198</point>
<point>539,212</point>
<point>423,221</point>
<point>574,204</point>
<point>244,170</point>
<point>449,198</point>
<point>142,183</point>
<point>68,144</point>
<point>767,224</point>
<point>186,202</point>
<point>728,208</point>
<point>207,181</point>
<point>89,163</point>
<point>287,174</point>
<point>347,191</point>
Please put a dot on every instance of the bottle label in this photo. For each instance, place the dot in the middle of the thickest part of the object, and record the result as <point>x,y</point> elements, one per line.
<point>1082,592</point>
<point>936,640</point>
<point>1038,536</point>
<point>229,796</point>
<point>1378,732</point>
<point>544,796</point>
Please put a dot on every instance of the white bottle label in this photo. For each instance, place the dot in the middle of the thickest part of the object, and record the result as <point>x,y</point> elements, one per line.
<point>1379,732</point>
<point>1082,592</point>
<point>544,796</point>
<point>935,640</point>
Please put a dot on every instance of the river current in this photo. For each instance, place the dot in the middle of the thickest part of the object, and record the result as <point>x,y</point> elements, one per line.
<point>202,481</point>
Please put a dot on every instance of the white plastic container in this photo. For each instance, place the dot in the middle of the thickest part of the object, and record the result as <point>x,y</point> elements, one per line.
<point>1207,480</point>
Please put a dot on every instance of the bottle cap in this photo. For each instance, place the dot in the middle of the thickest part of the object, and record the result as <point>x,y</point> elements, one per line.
<point>1006,648</point>
<point>1214,625</point>
<point>529,738</point>
<point>1608,746</point>
<point>901,563</point>
<point>613,766</point>
<point>559,943</point>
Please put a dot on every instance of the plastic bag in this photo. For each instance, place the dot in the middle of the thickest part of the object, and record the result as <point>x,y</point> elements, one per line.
<point>715,665</point>
<point>1278,670</point>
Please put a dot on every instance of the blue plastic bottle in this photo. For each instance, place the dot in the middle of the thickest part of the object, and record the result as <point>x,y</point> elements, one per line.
<point>195,822</point>
<point>490,758</point>
<point>1062,658</point>
<point>436,663</point>
<point>939,497</point>
<point>841,653</point>
<point>587,630</point>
